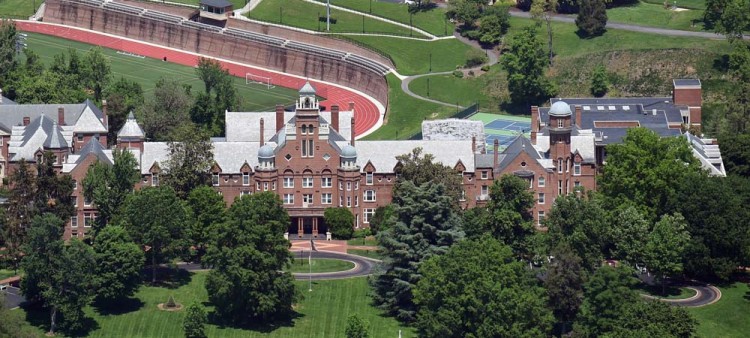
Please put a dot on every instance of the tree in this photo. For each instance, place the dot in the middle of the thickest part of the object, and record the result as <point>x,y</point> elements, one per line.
<point>654,319</point>
<point>357,327</point>
<point>53,191</point>
<point>340,222</point>
<point>735,19</point>
<point>509,217</point>
<point>248,254</point>
<point>606,296</point>
<point>169,108</point>
<point>207,209</point>
<point>665,247</point>
<point>564,284</point>
<point>194,323</point>
<point>466,11</point>
<point>108,185</point>
<point>123,97</point>
<point>20,210</point>
<point>580,222</point>
<point>60,275</point>
<point>737,97</point>
<point>209,111</point>
<point>599,82</point>
<point>646,170</point>
<point>592,18</point>
<point>155,218</point>
<point>96,71</point>
<point>380,221</point>
<point>494,24</point>
<point>712,14</point>
<point>630,231</point>
<point>118,264</point>
<point>425,224</point>
<point>8,59</point>
<point>210,72</point>
<point>190,159</point>
<point>479,289</point>
<point>543,10</point>
<point>419,169</point>
<point>526,64</point>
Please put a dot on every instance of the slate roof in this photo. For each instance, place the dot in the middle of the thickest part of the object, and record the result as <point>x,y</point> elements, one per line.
<point>13,114</point>
<point>245,126</point>
<point>153,152</point>
<point>131,129</point>
<point>6,101</point>
<point>519,145</point>
<point>383,154</point>
<point>41,132</point>
<point>55,140</point>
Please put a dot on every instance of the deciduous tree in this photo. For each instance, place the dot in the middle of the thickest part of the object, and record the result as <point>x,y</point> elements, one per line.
<point>118,264</point>
<point>599,82</point>
<point>357,327</point>
<point>479,289</point>
<point>419,168</point>
<point>96,71</point>
<point>580,222</point>
<point>543,10</point>
<point>340,222</point>
<point>526,64</point>
<point>169,108</point>
<point>21,208</point>
<point>665,246</point>
<point>592,19</point>
<point>509,217</point>
<point>607,295</point>
<point>190,159</point>
<point>108,185</point>
<point>630,231</point>
<point>194,323</point>
<point>8,60</point>
<point>207,208</point>
<point>564,284</point>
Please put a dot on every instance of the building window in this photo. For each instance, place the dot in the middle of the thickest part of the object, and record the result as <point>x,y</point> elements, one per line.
<point>86,201</point>
<point>567,166</point>
<point>244,193</point>
<point>369,196</point>
<point>541,198</point>
<point>577,184</point>
<point>215,179</point>
<point>273,185</point>
<point>559,187</point>
<point>265,186</point>
<point>245,179</point>
<point>540,219</point>
<point>576,169</point>
<point>485,190</point>
<point>288,182</point>
<point>288,198</point>
<point>307,198</point>
<point>304,129</point>
<point>307,182</point>
<point>257,186</point>
<point>304,145</point>
<point>311,146</point>
<point>356,185</point>
<point>154,180</point>
<point>368,178</point>
<point>348,201</point>
<point>75,185</point>
<point>560,123</point>
<point>463,195</point>
<point>326,198</point>
<point>326,182</point>
<point>541,182</point>
<point>484,175</point>
<point>341,185</point>
<point>559,166</point>
<point>74,221</point>
<point>79,138</point>
<point>341,201</point>
<point>369,213</point>
<point>348,186</point>
<point>356,201</point>
<point>88,220</point>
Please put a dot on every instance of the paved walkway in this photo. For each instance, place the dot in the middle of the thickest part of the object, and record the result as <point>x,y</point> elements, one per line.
<point>705,294</point>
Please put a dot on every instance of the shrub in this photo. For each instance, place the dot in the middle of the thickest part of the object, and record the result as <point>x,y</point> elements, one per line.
<point>471,73</point>
<point>340,222</point>
<point>475,57</point>
<point>486,68</point>
<point>459,74</point>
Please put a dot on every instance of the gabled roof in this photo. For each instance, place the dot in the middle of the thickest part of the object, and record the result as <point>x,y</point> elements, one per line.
<point>131,129</point>
<point>519,145</point>
<point>13,114</point>
<point>41,132</point>
<point>55,140</point>
<point>90,120</point>
<point>382,154</point>
<point>95,148</point>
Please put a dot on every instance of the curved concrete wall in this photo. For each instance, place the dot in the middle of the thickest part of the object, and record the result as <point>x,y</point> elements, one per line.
<point>219,45</point>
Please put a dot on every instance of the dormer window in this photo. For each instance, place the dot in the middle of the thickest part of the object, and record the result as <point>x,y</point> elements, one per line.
<point>215,179</point>
<point>245,179</point>
<point>154,179</point>
<point>576,168</point>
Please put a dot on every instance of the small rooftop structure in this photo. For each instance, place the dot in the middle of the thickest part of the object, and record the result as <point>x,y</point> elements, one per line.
<point>219,10</point>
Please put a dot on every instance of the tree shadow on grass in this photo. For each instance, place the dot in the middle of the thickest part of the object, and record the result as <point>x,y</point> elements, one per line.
<point>39,316</point>
<point>168,277</point>
<point>117,307</point>
<point>261,327</point>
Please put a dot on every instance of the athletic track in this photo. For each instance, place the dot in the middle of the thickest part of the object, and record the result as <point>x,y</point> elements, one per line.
<point>366,112</point>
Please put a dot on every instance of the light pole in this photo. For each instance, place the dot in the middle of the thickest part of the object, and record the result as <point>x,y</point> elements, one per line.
<point>430,62</point>
<point>328,15</point>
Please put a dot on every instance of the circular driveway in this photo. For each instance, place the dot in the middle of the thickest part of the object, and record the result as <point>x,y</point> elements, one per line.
<point>13,297</point>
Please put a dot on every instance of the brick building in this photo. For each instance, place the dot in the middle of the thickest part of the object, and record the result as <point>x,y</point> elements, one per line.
<point>312,160</point>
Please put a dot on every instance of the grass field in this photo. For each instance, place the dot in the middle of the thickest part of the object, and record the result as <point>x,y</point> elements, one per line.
<point>322,313</point>
<point>727,317</point>
<point>365,253</point>
<point>432,21</point>
<point>297,13</point>
<point>694,4</point>
<point>671,292</point>
<point>464,91</point>
<point>147,71</point>
<point>370,240</point>
<point>5,273</point>
<point>18,9</point>
<point>654,15</point>
<point>405,113</point>
<point>320,265</point>
<point>413,57</point>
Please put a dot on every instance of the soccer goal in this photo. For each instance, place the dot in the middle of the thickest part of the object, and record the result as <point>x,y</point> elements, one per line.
<point>262,80</point>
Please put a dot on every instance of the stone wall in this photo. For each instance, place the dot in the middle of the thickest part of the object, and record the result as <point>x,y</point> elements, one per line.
<point>454,129</point>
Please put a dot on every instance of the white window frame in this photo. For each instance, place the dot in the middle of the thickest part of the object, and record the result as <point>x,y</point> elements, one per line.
<point>215,179</point>
<point>265,186</point>
<point>288,199</point>
<point>348,201</point>
<point>485,190</point>
<point>87,202</point>
<point>369,196</point>
<point>90,217</point>
<point>559,123</point>
<point>485,175</point>
<point>367,215</point>
<point>559,166</point>
<point>245,179</point>
<point>540,218</point>
<point>577,169</point>
<point>541,198</point>
<point>154,179</point>
<point>308,198</point>
<point>326,198</point>
<point>369,178</point>
<point>559,187</point>
<point>307,182</point>
<point>74,221</point>
<point>288,182</point>
<point>348,186</point>
<point>541,181</point>
<point>326,182</point>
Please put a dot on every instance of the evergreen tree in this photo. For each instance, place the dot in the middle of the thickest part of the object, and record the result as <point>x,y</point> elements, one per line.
<point>592,18</point>
<point>340,222</point>
<point>599,82</point>
<point>248,254</point>
<point>479,289</point>
<point>357,327</point>
<point>20,210</point>
<point>564,284</point>
<point>190,159</point>
<point>526,64</point>
<point>108,186</point>
<point>118,264</point>
<point>425,225</point>
<point>194,323</point>
<point>379,221</point>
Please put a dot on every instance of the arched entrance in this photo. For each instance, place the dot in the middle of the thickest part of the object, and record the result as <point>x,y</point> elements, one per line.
<point>304,227</point>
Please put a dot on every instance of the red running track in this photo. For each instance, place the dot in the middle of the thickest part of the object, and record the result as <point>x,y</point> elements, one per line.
<point>366,112</point>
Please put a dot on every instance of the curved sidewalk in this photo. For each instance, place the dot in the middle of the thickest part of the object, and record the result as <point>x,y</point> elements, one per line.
<point>368,111</point>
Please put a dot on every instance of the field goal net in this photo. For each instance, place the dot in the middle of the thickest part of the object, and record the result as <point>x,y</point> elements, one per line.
<point>257,79</point>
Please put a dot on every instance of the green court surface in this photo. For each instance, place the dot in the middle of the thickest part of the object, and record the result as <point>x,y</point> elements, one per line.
<point>147,71</point>
<point>503,128</point>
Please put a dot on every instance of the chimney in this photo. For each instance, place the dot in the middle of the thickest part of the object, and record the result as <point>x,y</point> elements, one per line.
<point>496,149</point>
<point>61,116</point>
<point>354,134</point>
<point>104,110</point>
<point>473,144</point>
<point>534,123</point>
<point>26,120</point>
<point>279,117</point>
<point>261,131</point>
<point>335,117</point>
<point>578,116</point>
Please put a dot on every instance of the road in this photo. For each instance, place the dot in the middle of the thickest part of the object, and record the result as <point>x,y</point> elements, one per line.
<point>13,297</point>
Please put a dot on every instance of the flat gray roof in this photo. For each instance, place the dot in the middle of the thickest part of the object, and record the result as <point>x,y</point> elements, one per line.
<point>216,3</point>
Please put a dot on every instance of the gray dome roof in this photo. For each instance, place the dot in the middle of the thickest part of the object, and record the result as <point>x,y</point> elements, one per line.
<point>265,151</point>
<point>560,108</point>
<point>348,151</point>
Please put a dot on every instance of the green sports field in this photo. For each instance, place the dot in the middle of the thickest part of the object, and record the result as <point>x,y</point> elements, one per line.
<point>147,71</point>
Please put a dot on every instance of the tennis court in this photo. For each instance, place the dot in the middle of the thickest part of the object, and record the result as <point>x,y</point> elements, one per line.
<point>503,128</point>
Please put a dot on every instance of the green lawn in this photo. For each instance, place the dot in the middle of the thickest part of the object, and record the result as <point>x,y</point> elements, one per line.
<point>6,273</point>
<point>18,9</point>
<point>671,292</point>
<point>464,91</point>
<point>320,265</point>
<point>322,313</point>
<point>413,57</point>
<point>648,14</point>
<point>694,4</point>
<point>365,253</point>
<point>297,13</point>
<point>147,71</point>
<point>405,113</point>
<point>432,21</point>
<point>370,240</point>
<point>727,317</point>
